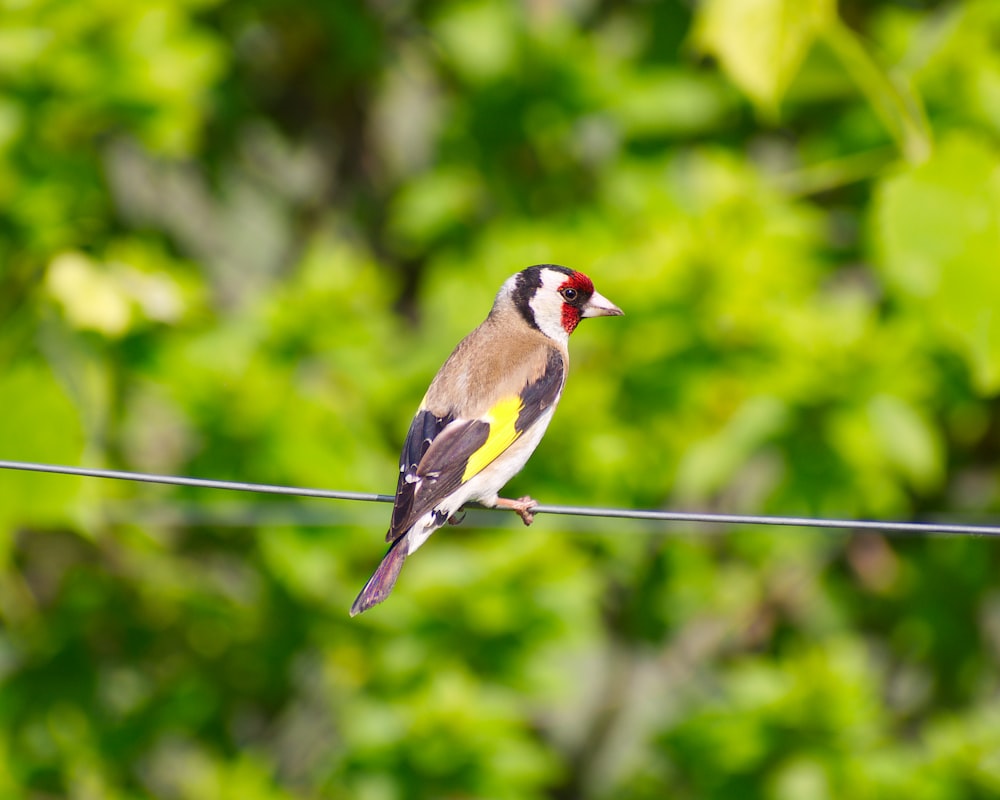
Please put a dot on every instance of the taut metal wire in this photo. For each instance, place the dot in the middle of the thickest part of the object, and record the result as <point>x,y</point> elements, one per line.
<point>886,526</point>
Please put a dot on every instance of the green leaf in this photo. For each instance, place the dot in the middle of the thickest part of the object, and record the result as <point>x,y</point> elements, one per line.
<point>709,464</point>
<point>938,227</point>
<point>431,204</point>
<point>907,438</point>
<point>761,43</point>
<point>479,38</point>
<point>890,95</point>
<point>38,423</point>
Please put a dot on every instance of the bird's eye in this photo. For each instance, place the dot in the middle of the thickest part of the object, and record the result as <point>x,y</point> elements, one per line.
<point>569,294</point>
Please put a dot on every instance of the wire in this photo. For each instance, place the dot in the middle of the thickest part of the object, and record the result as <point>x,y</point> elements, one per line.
<point>753,519</point>
<point>201,483</point>
<point>917,528</point>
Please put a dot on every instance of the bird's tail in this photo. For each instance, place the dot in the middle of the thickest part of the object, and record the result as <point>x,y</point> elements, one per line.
<point>384,578</point>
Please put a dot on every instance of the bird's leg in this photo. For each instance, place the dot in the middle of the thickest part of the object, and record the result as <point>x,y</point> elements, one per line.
<point>522,506</point>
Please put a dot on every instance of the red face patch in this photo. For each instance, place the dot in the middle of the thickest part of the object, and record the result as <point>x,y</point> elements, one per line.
<point>580,282</point>
<point>572,311</point>
<point>570,317</point>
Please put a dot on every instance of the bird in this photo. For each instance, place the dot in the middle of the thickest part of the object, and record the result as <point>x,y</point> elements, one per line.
<point>485,412</point>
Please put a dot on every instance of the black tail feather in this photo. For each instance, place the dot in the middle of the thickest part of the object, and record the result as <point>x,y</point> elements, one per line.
<point>384,578</point>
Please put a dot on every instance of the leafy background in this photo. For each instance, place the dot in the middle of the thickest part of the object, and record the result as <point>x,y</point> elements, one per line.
<point>238,239</point>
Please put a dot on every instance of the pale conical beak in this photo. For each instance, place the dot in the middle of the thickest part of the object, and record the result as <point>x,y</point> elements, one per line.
<point>600,306</point>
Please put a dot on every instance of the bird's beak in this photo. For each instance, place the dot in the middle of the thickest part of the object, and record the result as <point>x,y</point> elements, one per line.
<point>600,306</point>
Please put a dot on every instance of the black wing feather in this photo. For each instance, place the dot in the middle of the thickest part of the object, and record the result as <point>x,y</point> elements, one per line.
<point>437,449</point>
<point>438,474</point>
<point>538,396</point>
<point>423,430</point>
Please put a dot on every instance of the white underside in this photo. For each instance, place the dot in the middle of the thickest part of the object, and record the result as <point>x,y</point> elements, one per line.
<point>485,486</point>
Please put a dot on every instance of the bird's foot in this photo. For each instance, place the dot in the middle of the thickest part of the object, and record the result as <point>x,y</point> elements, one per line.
<point>522,507</point>
<point>457,518</point>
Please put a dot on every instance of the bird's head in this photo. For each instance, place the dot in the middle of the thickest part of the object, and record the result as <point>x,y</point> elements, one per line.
<point>554,299</point>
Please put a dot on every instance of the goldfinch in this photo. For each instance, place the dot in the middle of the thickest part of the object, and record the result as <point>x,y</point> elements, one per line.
<point>486,411</point>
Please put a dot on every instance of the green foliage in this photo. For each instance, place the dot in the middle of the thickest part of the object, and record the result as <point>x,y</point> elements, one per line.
<point>241,237</point>
<point>762,43</point>
<point>938,225</point>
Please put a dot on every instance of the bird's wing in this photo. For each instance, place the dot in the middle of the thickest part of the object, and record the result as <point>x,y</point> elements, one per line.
<point>442,453</point>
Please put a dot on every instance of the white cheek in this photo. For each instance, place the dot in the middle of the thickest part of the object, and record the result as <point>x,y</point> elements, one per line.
<point>547,307</point>
<point>549,320</point>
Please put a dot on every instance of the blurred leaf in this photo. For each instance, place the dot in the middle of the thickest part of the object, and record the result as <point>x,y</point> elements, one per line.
<point>39,423</point>
<point>480,38</point>
<point>762,43</point>
<point>668,102</point>
<point>938,227</point>
<point>710,464</point>
<point>890,94</point>
<point>432,204</point>
<point>909,441</point>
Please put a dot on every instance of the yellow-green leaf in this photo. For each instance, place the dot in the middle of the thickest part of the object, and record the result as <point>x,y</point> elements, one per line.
<point>761,43</point>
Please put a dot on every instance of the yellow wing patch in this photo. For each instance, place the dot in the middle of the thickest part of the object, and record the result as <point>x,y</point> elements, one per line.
<point>501,419</point>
